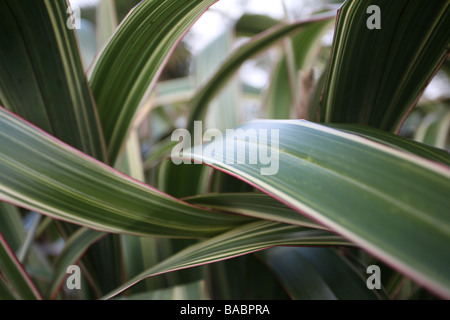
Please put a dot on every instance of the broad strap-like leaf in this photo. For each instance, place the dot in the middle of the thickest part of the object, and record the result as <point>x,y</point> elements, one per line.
<point>252,204</point>
<point>106,19</point>
<point>128,67</point>
<point>11,225</point>
<point>34,220</point>
<point>223,110</point>
<point>42,174</point>
<point>17,277</point>
<point>242,278</point>
<point>374,195</point>
<point>242,240</point>
<point>434,129</point>
<point>250,25</point>
<point>397,142</point>
<point>5,291</point>
<point>158,152</point>
<point>141,253</point>
<point>41,74</point>
<point>317,274</point>
<point>73,250</point>
<point>375,76</point>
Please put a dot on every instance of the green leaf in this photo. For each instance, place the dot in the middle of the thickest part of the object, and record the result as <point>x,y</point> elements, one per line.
<point>226,70</point>
<point>243,278</point>
<point>242,240</point>
<point>191,291</point>
<point>5,291</point>
<point>194,177</point>
<point>305,47</point>
<point>151,254</point>
<point>17,277</point>
<point>12,229</point>
<point>11,225</point>
<point>251,24</point>
<point>376,76</point>
<point>106,20</point>
<point>25,248</point>
<point>41,74</point>
<point>132,162</point>
<point>173,91</point>
<point>375,196</point>
<point>137,252</point>
<point>87,43</point>
<point>317,274</point>
<point>257,205</point>
<point>42,174</point>
<point>397,142</point>
<point>220,182</point>
<point>223,110</point>
<point>158,152</point>
<point>435,129</point>
<point>74,248</point>
<point>131,62</point>
<point>106,262</point>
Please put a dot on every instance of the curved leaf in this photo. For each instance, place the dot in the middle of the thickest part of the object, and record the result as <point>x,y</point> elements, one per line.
<point>376,76</point>
<point>255,45</point>
<point>435,129</point>
<point>17,277</point>
<point>397,142</point>
<point>374,195</point>
<point>11,225</point>
<point>132,60</point>
<point>41,74</point>
<point>75,247</point>
<point>40,173</point>
<point>249,25</point>
<point>317,273</point>
<point>305,46</point>
<point>257,205</point>
<point>242,240</point>
<point>190,291</point>
<point>5,291</point>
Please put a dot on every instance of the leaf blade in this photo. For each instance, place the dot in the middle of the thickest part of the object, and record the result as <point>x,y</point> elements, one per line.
<point>16,274</point>
<point>306,274</point>
<point>40,57</point>
<point>41,173</point>
<point>203,95</point>
<point>242,240</point>
<point>400,58</point>
<point>388,208</point>
<point>143,41</point>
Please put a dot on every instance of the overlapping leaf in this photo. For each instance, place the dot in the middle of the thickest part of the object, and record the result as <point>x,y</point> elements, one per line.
<point>75,247</point>
<point>242,240</point>
<point>41,74</point>
<point>129,65</point>
<point>40,173</point>
<point>317,274</point>
<point>256,45</point>
<point>397,142</point>
<point>376,76</point>
<point>17,277</point>
<point>257,205</point>
<point>374,195</point>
